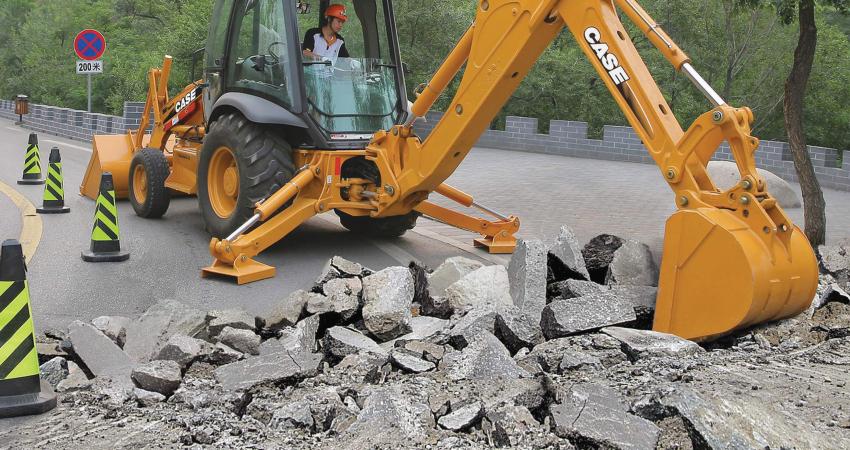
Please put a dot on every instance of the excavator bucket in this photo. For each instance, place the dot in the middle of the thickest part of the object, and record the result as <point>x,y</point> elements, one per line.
<point>719,275</point>
<point>110,153</point>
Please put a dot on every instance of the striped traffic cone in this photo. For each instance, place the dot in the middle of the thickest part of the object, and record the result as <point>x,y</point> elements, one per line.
<point>53,201</point>
<point>32,163</point>
<point>22,392</point>
<point>105,246</point>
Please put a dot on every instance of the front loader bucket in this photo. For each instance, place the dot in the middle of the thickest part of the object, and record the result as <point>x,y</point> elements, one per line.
<point>718,275</point>
<point>110,153</point>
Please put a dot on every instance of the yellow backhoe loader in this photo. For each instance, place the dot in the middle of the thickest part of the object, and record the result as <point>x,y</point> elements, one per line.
<point>272,137</point>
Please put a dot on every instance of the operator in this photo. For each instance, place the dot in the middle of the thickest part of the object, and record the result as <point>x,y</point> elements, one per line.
<point>326,41</point>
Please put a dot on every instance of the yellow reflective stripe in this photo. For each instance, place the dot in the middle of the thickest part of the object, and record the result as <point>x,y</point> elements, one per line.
<point>105,219</point>
<point>32,163</point>
<point>27,367</point>
<point>53,184</point>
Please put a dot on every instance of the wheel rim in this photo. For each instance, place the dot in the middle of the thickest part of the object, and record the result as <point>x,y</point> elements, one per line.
<point>140,184</point>
<point>223,182</point>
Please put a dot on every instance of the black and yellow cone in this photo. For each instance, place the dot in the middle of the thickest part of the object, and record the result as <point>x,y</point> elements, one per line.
<point>53,201</point>
<point>32,163</point>
<point>105,245</point>
<point>22,392</point>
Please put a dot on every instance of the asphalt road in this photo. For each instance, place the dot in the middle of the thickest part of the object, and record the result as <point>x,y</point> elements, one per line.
<point>166,255</point>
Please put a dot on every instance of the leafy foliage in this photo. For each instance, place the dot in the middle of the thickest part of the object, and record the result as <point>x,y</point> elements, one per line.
<point>742,47</point>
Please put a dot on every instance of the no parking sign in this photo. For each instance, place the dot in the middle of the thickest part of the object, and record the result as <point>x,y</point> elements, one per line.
<point>89,45</point>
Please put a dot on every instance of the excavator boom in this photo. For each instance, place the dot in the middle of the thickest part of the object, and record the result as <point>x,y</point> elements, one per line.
<point>731,258</point>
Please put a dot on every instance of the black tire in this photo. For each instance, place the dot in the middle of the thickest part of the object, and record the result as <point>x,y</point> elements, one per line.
<point>156,170</point>
<point>264,162</point>
<point>394,226</point>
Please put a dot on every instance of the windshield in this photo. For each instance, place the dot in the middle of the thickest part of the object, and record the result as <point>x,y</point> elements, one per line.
<point>350,72</point>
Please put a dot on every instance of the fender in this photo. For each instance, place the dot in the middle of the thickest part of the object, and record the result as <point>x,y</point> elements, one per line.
<point>257,109</point>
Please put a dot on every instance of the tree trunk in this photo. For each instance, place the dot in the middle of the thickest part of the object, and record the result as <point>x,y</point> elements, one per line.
<point>795,92</point>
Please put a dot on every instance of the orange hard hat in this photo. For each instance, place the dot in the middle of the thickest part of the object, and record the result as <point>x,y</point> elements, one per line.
<point>337,11</point>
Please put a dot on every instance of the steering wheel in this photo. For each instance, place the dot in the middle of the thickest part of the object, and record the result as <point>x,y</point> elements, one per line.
<point>272,53</point>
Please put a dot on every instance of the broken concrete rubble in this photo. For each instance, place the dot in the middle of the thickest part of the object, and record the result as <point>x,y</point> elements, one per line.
<point>242,340</point>
<point>341,296</point>
<point>302,337</point>
<point>632,265</point>
<point>462,416</point>
<point>484,358</point>
<point>452,270</point>
<point>234,318</point>
<point>596,415</point>
<point>527,277</point>
<point>100,354</point>
<point>387,298</point>
<point>114,327</point>
<point>288,311</point>
<point>650,344</point>
<point>147,335</point>
<point>54,371</point>
<point>339,267</point>
<point>565,259</point>
<point>598,254</point>
<point>517,330</point>
<point>184,350</point>
<point>489,285</point>
<point>575,315</point>
<point>163,377</point>
<point>409,362</point>
<point>276,367</point>
<point>340,342</point>
<point>400,418</point>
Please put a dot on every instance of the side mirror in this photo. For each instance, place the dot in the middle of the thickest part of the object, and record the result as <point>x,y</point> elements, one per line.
<point>196,55</point>
<point>303,7</point>
<point>406,69</point>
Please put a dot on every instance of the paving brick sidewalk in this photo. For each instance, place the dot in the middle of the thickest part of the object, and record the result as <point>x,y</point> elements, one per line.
<point>591,196</point>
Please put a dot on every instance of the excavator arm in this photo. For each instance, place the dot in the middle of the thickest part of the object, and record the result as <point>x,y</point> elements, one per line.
<point>731,258</point>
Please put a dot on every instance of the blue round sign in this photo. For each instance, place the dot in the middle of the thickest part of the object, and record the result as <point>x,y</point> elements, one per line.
<point>89,45</point>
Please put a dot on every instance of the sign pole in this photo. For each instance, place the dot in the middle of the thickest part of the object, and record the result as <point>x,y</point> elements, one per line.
<point>89,93</point>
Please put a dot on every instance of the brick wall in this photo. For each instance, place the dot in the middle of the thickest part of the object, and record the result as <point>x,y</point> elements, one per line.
<point>565,138</point>
<point>622,144</point>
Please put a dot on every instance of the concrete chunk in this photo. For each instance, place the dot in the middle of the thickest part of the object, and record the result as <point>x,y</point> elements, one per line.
<point>147,398</point>
<point>158,376</point>
<point>287,312</point>
<point>640,344</point>
<point>573,288</point>
<point>114,327</point>
<point>184,350</point>
<point>339,267</point>
<point>632,265</point>
<point>597,415</point>
<point>387,298</point>
<point>293,415</point>
<point>54,371</point>
<point>389,416</point>
<point>340,342</point>
<point>273,368</point>
<point>565,258</point>
<point>463,417</point>
<point>342,296</point>
<point>147,335</point>
<point>410,363</point>
<point>484,358</point>
<point>575,315</point>
<point>100,354</point>
<point>233,318</point>
<point>488,285</point>
<point>527,277</point>
<point>450,271</point>
<point>245,341</point>
<point>301,338</point>
<point>75,380</point>
<point>598,254</point>
<point>517,330</point>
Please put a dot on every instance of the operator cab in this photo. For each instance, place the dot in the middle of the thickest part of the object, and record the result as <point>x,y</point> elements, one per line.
<point>254,62</point>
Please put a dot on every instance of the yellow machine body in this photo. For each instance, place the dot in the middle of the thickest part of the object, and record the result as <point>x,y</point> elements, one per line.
<point>177,134</point>
<point>732,258</point>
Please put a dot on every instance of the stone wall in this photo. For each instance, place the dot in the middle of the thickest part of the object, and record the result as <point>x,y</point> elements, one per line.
<point>622,144</point>
<point>565,138</point>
